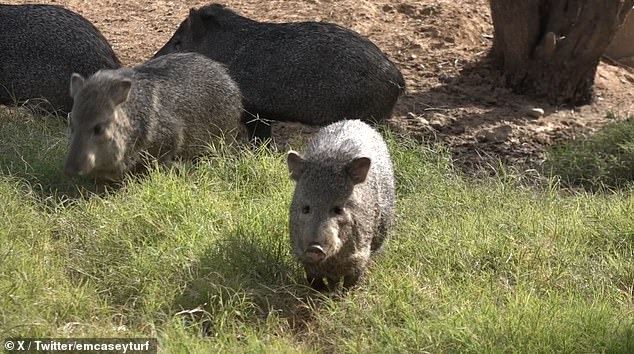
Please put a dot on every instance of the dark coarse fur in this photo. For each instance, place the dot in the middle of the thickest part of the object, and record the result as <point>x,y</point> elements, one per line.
<point>346,211</point>
<point>41,46</point>
<point>309,72</point>
<point>174,105</point>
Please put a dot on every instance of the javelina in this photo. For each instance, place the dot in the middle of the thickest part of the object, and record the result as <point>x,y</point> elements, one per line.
<point>343,205</point>
<point>314,73</point>
<point>170,106</point>
<point>41,46</point>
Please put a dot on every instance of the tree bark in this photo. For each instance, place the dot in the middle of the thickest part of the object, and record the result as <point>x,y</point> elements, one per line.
<point>551,48</point>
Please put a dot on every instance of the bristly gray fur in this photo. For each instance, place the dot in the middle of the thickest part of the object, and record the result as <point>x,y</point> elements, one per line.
<point>315,73</point>
<point>349,238</point>
<point>41,46</point>
<point>177,105</point>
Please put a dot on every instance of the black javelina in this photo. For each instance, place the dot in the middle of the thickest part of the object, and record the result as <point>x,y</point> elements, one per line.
<point>40,47</point>
<point>314,73</point>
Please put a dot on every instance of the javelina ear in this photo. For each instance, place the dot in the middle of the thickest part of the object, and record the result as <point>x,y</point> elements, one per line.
<point>358,169</point>
<point>120,90</point>
<point>196,23</point>
<point>295,163</point>
<point>76,84</point>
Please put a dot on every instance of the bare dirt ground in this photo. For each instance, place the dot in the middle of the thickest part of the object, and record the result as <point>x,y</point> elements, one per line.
<point>440,45</point>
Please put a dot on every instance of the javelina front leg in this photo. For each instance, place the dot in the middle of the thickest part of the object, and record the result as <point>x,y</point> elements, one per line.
<point>351,280</point>
<point>316,281</point>
<point>333,283</point>
<point>258,129</point>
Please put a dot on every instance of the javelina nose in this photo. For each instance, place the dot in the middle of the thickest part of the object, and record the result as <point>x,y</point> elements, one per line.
<point>315,252</point>
<point>71,169</point>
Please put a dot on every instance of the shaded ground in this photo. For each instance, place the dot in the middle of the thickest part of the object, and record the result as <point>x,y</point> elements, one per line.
<point>440,46</point>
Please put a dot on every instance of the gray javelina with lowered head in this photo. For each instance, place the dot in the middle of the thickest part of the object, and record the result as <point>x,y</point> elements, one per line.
<point>41,46</point>
<point>314,73</point>
<point>174,105</point>
<point>343,206</point>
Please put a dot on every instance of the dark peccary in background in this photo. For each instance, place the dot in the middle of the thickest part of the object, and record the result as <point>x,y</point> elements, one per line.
<point>175,105</point>
<point>343,206</point>
<point>309,72</point>
<point>40,47</point>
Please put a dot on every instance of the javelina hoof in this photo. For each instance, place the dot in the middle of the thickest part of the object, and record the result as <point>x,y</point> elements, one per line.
<point>351,280</point>
<point>333,283</point>
<point>316,282</point>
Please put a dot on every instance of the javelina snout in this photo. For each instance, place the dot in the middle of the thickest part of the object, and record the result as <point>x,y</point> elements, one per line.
<point>94,144</point>
<point>315,252</point>
<point>80,161</point>
<point>79,166</point>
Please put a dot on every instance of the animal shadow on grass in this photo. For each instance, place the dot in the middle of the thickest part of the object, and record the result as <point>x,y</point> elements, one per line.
<point>33,149</point>
<point>248,279</point>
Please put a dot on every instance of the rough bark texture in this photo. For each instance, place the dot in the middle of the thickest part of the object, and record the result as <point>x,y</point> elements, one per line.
<point>551,48</point>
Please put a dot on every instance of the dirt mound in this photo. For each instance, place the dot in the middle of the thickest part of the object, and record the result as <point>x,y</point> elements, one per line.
<point>440,45</point>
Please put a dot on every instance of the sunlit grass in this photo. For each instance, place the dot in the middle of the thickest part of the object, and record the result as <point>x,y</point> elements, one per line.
<point>199,257</point>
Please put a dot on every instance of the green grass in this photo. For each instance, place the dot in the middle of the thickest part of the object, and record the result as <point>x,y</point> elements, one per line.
<point>199,258</point>
<point>604,160</point>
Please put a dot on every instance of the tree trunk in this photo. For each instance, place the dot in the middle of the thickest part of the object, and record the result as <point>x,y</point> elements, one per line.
<point>551,48</point>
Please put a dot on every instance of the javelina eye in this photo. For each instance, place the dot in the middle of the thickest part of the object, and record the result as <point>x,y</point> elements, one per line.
<point>337,210</point>
<point>305,209</point>
<point>97,129</point>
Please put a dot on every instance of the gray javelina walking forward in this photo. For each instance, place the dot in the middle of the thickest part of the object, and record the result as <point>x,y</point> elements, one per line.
<point>314,73</point>
<point>171,106</point>
<point>343,206</point>
<point>41,46</point>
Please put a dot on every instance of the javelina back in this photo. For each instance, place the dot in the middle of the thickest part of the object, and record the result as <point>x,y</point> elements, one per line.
<point>170,106</point>
<point>41,46</point>
<point>309,72</point>
<point>343,205</point>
